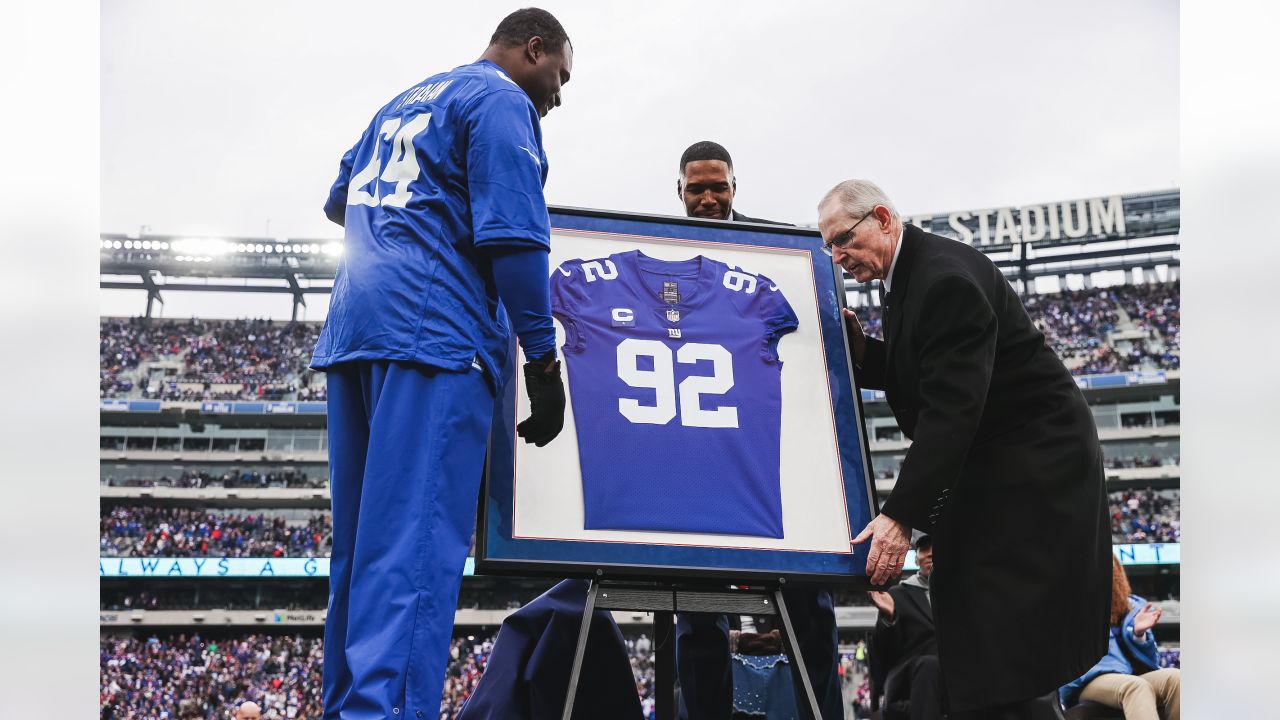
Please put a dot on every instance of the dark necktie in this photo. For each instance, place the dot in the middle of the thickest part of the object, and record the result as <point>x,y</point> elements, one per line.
<point>884,305</point>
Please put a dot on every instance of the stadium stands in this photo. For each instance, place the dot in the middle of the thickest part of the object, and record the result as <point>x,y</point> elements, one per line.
<point>231,479</point>
<point>208,360</point>
<point>1145,516</point>
<point>184,676</point>
<point>188,675</point>
<point>185,532</point>
<point>1102,330</point>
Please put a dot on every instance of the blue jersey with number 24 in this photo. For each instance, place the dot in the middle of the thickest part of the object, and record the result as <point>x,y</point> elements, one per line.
<point>675,382</point>
<point>449,169</point>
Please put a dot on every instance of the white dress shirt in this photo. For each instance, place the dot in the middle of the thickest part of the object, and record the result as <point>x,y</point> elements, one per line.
<point>888,277</point>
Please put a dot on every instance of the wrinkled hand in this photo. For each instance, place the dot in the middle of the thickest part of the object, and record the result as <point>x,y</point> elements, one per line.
<point>857,338</point>
<point>890,541</point>
<point>883,602</point>
<point>1146,619</point>
<point>546,401</point>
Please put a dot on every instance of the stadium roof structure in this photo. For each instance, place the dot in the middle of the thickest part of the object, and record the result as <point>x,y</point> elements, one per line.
<point>1118,232</point>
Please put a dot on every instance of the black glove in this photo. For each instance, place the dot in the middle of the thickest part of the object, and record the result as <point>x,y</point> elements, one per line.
<point>546,401</point>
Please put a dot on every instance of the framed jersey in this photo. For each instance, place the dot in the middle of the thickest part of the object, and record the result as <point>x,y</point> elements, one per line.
<point>713,428</point>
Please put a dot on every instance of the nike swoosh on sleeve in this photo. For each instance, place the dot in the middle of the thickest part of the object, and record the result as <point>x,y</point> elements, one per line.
<point>532,154</point>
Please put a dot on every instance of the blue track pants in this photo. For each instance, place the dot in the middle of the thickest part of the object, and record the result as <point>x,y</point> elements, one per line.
<point>406,452</point>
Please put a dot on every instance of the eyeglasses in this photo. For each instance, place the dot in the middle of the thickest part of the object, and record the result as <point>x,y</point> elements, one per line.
<point>843,238</point>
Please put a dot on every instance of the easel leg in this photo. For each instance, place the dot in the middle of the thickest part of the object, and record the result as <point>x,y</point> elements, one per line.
<point>664,650</point>
<point>789,638</point>
<point>587,612</point>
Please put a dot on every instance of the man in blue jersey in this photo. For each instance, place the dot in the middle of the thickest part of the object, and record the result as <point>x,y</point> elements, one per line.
<point>446,252</point>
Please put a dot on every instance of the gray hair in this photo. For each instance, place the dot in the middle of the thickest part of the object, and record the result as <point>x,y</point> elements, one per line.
<point>858,197</point>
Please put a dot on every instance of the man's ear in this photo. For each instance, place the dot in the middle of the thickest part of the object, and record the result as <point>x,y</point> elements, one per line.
<point>680,188</point>
<point>534,49</point>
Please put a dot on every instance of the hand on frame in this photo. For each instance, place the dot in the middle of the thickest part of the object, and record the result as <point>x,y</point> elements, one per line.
<point>890,541</point>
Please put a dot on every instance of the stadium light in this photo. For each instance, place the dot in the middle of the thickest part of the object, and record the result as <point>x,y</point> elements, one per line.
<point>202,246</point>
<point>333,248</point>
<point>117,244</point>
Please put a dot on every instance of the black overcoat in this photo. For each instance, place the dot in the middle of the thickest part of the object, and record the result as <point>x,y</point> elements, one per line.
<point>1004,470</point>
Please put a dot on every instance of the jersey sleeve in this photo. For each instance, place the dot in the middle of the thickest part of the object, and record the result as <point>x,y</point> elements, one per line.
<point>568,298</point>
<point>335,208</point>
<point>506,172</point>
<point>776,314</point>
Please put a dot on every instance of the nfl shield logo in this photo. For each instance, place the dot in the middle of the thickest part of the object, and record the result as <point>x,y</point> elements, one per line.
<point>673,315</point>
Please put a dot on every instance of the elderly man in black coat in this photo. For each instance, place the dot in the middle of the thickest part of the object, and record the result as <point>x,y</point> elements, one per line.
<point>1004,470</point>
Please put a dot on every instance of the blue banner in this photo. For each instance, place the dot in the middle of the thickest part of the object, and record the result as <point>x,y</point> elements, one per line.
<point>213,567</point>
<point>1132,554</point>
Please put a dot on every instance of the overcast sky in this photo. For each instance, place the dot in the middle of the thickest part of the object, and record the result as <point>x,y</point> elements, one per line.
<point>228,118</point>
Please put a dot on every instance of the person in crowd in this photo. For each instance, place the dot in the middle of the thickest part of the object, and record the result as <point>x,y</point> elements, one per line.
<point>446,251</point>
<point>1129,676</point>
<point>906,648</point>
<point>248,710</point>
<point>1004,454</point>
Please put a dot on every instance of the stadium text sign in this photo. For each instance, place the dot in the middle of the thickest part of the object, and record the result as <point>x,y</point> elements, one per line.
<point>1097,218</point>
<point>215,567</point>
<point>152,567</point>
<point>1130,554</point>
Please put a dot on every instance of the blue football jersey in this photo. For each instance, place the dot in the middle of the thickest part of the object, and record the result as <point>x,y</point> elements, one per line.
<point>450,166</point>
<point>676,386</point>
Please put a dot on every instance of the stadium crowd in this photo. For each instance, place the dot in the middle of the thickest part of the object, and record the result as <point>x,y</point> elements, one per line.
<point>1142,461</point>
<point>232,479</point>
<point>184,677</point>
<point>1077,325</point>
<point>189,677</point>
<point>293,594</point>
<point>268,361</point>
<point>204,596</point>
<point>186,532</point>
<point>1145,516</point>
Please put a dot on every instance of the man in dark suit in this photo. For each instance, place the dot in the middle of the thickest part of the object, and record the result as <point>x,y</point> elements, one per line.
<point>707,186</point>
<point>1004,471</point>
<point>904,653</point>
